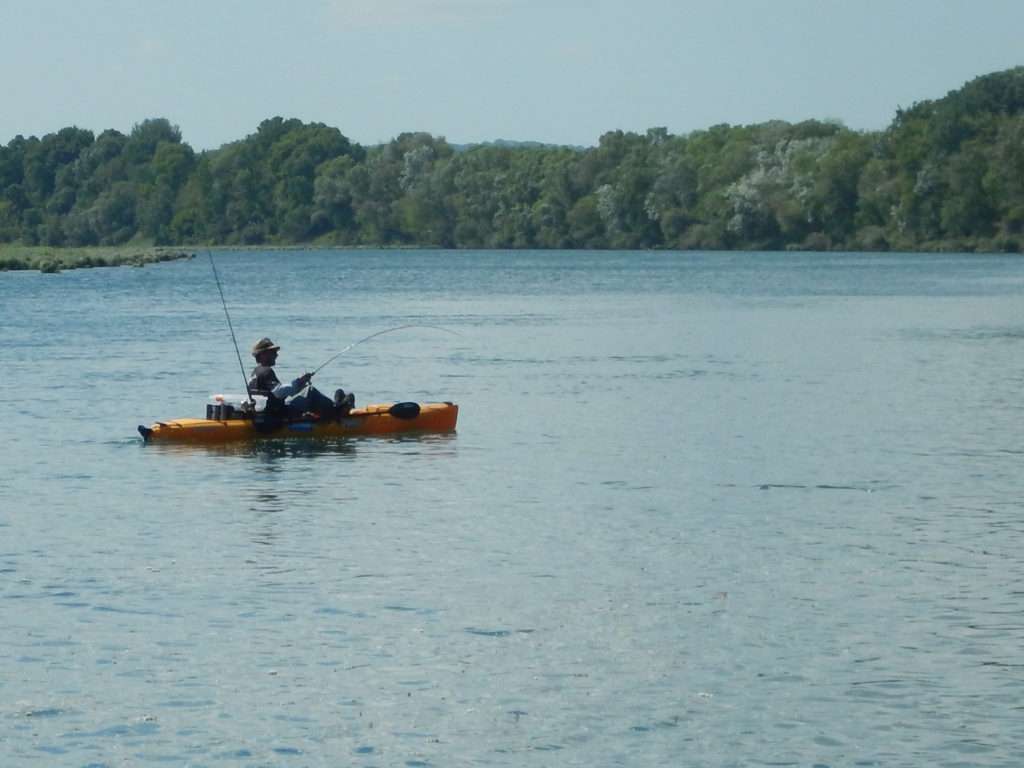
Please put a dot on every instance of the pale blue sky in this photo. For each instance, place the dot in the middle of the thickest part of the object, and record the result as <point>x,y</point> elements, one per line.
<point>561,71</point>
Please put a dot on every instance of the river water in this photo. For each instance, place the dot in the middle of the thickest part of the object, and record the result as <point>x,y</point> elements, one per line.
<point>701,509</point>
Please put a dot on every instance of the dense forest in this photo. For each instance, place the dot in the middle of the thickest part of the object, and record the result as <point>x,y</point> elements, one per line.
<point>946,174</point>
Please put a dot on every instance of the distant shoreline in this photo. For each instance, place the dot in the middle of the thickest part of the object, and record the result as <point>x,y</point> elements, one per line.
<point>54,259</point>
<point>48,259</point>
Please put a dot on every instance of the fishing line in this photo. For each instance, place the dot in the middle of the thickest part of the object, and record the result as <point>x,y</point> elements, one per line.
<point>381,333</point>
<point>231,328</point>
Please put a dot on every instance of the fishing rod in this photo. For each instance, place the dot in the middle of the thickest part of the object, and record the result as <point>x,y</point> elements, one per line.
<point>231,328</point>
<point>381,333</point>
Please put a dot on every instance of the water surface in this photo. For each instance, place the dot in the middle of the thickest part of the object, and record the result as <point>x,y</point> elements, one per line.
<point>701,509</point>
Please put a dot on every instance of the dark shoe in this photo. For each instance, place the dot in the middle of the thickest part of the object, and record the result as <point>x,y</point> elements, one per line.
<point>343,403</point>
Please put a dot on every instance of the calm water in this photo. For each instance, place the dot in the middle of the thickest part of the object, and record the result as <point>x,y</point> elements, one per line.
<point>701,509</point>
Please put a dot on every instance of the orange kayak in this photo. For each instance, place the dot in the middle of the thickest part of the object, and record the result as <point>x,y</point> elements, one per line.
<point>378,419</point>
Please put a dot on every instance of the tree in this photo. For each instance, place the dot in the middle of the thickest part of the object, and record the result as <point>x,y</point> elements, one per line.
<point>332,199</point>
<point>967,210</point>
<point>146,137</point>
<point>946,173</point>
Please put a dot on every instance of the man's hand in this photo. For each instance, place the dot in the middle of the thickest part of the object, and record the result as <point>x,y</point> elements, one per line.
<point>303,380</point>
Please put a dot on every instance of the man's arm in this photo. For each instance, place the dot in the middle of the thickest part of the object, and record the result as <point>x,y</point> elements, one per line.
<point>281,391</point>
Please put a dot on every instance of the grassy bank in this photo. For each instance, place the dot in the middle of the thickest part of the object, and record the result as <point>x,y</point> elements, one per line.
<point>48,259</point>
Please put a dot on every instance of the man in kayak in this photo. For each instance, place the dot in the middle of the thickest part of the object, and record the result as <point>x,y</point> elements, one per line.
<point>286,397</point>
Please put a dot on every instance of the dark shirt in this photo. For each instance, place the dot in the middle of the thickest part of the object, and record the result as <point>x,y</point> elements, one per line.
<point>263,380</point>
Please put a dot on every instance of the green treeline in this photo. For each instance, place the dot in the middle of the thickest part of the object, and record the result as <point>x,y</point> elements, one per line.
<point>947,174</point>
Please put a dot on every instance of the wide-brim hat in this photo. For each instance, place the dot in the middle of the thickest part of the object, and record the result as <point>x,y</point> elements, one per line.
<point>264,345</point>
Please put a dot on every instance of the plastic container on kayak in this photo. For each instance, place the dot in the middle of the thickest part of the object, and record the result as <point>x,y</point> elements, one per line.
<point>222,407</point>
<point>239,402</point>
